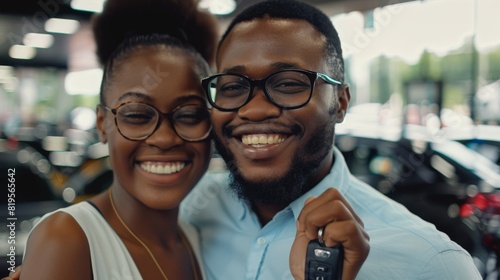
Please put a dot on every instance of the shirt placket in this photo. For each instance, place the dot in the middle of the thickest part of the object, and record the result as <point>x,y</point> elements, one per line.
<point>261,244</point>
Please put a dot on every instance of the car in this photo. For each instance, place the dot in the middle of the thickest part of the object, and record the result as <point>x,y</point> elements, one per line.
<point>433,178</point>
<point>481,212</point>
<point>29,193</point>
<point>485,139</point>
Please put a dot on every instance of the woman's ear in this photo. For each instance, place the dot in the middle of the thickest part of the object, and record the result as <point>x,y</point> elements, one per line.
<point>344,97</point>
<point>102,123</point>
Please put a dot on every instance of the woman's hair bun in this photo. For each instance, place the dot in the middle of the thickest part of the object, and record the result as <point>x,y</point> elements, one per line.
<point>178,18</point>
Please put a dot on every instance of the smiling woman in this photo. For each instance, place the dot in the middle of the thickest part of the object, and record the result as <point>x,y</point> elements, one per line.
<point>154,118</point>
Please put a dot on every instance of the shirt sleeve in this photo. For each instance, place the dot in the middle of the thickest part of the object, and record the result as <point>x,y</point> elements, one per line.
<point>450,264</point>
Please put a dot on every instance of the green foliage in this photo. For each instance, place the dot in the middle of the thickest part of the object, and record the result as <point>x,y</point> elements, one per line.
<point>459,71</point>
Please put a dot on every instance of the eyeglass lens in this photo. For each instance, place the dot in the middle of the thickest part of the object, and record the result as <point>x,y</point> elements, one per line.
<point>138,121</point>
<point>287,89</point>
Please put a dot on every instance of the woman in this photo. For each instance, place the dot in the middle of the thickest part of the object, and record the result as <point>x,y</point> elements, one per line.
<point>154,117</point>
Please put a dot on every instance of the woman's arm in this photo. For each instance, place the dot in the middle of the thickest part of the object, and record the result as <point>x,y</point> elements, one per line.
<point>57,249</point>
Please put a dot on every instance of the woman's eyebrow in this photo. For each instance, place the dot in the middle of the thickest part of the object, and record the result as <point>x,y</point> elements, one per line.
<point>234,69</point>
<point>190,97</point>
<point>134,94</point>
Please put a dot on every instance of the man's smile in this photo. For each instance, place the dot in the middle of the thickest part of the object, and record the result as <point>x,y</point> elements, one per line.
<point>259,140</point>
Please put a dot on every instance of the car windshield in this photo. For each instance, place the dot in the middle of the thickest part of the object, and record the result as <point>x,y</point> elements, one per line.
<point>470,159</point>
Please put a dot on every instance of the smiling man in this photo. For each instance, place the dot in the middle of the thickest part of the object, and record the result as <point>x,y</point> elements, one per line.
<point>278,153</point>
<point>277,97</point>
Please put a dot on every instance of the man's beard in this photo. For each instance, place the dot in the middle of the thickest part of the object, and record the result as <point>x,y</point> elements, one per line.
<point>294,183</point>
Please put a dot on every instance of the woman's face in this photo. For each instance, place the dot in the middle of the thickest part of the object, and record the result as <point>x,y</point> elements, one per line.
<point>160,170</point>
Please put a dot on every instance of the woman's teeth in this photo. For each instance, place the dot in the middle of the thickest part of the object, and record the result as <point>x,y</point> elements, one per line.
<point>162,168</point>
<point>262,139</point>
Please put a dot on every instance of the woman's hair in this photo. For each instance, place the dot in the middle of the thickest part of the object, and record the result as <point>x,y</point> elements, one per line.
<point>127,25</point>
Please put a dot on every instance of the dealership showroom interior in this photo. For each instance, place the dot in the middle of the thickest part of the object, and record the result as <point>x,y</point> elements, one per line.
<point>422,126</point>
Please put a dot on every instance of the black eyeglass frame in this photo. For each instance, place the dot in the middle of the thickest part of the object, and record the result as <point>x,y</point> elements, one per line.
<point>167,115</point>
<point>312,75</point>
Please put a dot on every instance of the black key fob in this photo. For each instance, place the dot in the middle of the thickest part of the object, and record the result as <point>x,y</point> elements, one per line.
<point>324,263</point>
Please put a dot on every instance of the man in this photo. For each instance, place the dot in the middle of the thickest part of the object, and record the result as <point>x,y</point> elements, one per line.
<point>276,103</point>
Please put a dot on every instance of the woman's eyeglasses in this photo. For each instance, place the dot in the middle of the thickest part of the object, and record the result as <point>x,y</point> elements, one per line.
<point>138,121</point>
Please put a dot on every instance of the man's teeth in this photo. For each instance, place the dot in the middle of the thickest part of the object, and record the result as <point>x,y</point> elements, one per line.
<point>262,139</point>
<point>162,168</point>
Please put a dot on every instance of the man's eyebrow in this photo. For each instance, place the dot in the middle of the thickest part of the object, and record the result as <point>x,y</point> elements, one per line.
<point>284,65</point>
<point>276,65</point>
<point>134,94</point>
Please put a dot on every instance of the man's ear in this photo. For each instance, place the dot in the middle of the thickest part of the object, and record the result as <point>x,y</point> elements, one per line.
<point>102,123</point>
<point>344,97</point>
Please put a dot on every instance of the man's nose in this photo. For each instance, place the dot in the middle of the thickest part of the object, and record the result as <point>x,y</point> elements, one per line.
<point>259,107</point>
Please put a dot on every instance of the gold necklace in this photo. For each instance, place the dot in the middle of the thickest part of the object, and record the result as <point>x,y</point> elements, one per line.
<point>184,241</point>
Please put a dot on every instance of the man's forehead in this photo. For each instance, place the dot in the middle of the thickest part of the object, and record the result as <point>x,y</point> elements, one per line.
<point>285,35</point>
<point>274,25</point>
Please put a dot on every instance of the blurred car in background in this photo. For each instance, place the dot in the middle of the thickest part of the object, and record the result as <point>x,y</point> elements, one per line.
<point>48,173</point>
<point>485,139</point>
<point>433,179</point>
<point>482,209</point>
<point>482,212</point>
<point>31,195</point>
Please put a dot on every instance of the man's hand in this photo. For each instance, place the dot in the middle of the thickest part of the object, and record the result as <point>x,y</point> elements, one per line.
<point>14,275</point>
<point>341,225</point>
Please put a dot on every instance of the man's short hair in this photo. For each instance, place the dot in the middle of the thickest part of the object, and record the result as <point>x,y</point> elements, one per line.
<point>291,9</point>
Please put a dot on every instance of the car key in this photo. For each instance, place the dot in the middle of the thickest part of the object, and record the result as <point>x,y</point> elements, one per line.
<point>324,263</point>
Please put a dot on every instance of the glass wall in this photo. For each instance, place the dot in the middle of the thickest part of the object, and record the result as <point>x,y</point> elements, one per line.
<point>451,47</point>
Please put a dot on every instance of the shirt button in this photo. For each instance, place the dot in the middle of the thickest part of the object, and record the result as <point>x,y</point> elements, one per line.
<point>261,241</point>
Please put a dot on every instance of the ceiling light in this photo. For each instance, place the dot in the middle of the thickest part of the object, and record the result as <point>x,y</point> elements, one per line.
<point>218,7</point>
<point>88,5</point>
<point>59,25</point>
<point>38,40</point>
<point>83,118</point>
<point>87,82</point>
<point>22,52</point>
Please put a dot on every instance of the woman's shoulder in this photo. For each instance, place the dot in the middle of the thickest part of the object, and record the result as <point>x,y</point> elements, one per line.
<point>58,230</point>
<point>61,225</point>
<point>57,247</point>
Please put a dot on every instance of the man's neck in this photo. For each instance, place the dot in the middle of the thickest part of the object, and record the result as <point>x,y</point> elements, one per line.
<point>266,212</point>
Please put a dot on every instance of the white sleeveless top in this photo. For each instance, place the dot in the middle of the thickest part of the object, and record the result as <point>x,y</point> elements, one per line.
<point>109,256</point>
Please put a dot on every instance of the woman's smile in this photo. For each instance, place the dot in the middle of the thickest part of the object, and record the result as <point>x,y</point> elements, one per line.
<point>162,167</point>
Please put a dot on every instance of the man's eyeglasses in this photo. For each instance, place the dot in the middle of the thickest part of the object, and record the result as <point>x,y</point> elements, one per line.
<point>287,89</point>
<point>138,121</point>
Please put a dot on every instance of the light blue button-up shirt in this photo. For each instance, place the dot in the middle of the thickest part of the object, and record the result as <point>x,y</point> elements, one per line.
<point>235,246</point>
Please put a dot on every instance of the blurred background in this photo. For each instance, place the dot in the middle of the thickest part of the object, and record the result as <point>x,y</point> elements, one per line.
<point>422,128</point>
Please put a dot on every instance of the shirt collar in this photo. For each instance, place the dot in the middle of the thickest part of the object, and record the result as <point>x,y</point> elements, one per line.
<point>339,174</point>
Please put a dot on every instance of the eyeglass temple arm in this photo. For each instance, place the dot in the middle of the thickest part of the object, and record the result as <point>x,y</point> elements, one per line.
<point>107,108</point>
<point>328,79</point>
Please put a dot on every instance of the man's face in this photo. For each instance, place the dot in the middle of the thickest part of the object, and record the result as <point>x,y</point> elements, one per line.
<point>275,155</point>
